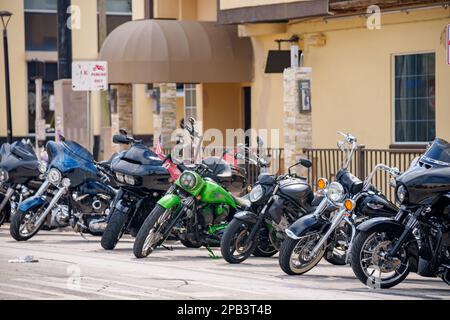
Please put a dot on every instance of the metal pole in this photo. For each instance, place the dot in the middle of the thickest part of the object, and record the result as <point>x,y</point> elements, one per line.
<point>7,88</point>
<point>64,41</point>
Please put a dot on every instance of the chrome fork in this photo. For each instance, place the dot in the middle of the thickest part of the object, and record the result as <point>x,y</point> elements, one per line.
<point>8,196</point>
<point>334,224</point>
<point>55,199</point>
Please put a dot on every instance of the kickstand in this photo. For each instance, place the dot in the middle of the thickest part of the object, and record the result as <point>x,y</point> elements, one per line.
<point>82,235</point>
<point>167,248</point>
<point>211,253</point>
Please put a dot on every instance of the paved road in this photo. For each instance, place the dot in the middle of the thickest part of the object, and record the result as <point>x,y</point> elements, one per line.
<point>71,267</point>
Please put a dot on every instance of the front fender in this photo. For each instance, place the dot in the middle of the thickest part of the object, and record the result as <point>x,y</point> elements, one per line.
<point>31,203</point>
<point>375,222</point>
<point>383,224</point>
<point>169,201</point>
<point>246,216</point>
<point>307,223</point>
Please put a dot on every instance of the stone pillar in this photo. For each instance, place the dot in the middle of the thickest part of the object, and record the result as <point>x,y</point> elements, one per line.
<point>297,125</point>
<point>165,123</point>
<point>123,117</point>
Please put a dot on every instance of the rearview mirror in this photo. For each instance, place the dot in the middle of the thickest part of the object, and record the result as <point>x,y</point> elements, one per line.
<point>123,131</point>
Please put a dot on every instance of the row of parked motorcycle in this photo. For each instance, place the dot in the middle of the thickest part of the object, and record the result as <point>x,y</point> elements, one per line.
<point>155,198</point>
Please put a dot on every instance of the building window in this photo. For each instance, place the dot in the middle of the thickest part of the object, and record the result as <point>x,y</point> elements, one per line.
<point>40,25</point>
<point>117,12</point>
<point>190,101</point>
<point>48,112</point>
<point>414,98</point>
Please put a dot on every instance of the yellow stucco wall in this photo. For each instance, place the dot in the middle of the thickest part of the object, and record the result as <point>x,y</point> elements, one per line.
<point>222,106</point>
<point>352,74</point>
<point>18,70</point>
<point>84,47</point>
<point>267,89</point>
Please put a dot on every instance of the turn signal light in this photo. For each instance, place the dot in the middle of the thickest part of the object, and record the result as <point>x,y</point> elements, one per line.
<point>322,183</point>
<point>349,205</point>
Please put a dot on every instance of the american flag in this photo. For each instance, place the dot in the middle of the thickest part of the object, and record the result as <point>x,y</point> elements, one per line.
<point>158,148</point>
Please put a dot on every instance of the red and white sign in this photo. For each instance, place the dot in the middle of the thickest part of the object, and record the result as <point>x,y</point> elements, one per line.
<point>89,76</point>
<point>448,44</point>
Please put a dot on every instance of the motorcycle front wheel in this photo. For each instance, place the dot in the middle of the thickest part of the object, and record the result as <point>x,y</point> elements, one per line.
<point>233,243</point>
<point>23,227</point>
<point>114,230</point>
<point>152,231</point>
<point>295,257</point>
<point>368,261</point>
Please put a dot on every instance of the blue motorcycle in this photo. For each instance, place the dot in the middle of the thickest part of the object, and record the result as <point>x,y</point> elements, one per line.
<point>76,192</point>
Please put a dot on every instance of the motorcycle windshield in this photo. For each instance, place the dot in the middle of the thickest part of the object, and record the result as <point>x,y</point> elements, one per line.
<point>219,167</point>
<point>69,155</point>
<point>438,153</point>
<point>23,151</point>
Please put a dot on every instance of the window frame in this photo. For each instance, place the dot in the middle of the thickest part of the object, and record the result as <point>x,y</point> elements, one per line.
<point>393,119</point>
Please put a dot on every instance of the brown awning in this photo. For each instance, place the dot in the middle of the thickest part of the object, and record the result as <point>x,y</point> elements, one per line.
<point>169,51</point>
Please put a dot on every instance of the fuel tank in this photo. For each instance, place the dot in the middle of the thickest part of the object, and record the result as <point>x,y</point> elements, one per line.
<point>145,165</point>
<point>376,205</point>
<point>230,176</point>
<point>298,190</point>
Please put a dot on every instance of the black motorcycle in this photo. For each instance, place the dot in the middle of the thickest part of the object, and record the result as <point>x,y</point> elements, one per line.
<point>143,179</point>
<point>331,229</point>
<point>20,176</point>
<point>276,202</point>
<point>418,239</point>
<point>75,192</point>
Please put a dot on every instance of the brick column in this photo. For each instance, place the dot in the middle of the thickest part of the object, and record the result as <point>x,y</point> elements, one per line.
<point>123,117</point>
<point>165,122</point>
<point>297,125</point>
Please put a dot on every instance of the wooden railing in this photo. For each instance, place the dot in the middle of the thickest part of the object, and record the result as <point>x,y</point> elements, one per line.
<point>327,162</point>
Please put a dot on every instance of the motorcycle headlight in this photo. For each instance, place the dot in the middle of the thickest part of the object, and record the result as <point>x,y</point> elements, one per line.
<point>120,177</point>
<point>336,192</point>
<point>256,193</point>
<point>402,194</point>
<point>4,176</point>
<point>130,180</point>
<point>188,180</point>
<point>42,167</point>
<point>54,176</point>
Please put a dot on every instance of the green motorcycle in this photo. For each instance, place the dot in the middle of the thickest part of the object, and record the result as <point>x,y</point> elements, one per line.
<point>195,210</point>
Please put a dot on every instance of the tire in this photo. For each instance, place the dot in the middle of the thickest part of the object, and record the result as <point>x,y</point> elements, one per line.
<point>146,228</point>
<point>14,228</point>
<point>262,253</point>
<point>189,244</point>
<point>113,231</point>
<point>228,241</point>
<point>264,247</point>
<point>358,245</point>
<point>285,261</point>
